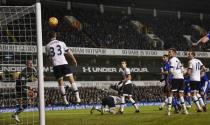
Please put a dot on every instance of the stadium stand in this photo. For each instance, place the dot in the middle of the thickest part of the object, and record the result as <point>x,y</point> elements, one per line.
<point>115,30</point>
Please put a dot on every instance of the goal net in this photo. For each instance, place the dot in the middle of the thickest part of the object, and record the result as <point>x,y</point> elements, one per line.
<point>19,61</point>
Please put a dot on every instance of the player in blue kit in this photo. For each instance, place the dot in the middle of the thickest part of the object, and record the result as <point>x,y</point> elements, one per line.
<point>204,86</point>
<point>203,40</point>
<point>187,92</point>
<point>165,78</point>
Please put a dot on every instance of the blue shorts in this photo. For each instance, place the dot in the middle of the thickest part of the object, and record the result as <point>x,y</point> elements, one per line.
<point>204,86</point>
<point>187,89</point>
<point>208,35</point>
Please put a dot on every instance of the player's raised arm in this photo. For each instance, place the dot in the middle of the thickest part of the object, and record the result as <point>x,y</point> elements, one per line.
<point>162,72</point>
<point>71,55</point>
<point>203,68</point>
<point>203,40</point>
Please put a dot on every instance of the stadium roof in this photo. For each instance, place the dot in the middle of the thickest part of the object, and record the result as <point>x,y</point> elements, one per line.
<point>182,5</point>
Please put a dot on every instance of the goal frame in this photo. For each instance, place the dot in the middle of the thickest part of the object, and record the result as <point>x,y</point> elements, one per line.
<point>40,64</point>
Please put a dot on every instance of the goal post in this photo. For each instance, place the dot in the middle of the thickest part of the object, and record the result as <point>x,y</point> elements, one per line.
<point>40,64</point>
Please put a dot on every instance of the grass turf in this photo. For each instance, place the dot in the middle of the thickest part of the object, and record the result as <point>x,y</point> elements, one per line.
<point>149,115</point>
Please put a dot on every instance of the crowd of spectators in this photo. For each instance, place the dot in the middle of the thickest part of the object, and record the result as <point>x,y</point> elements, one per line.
<point>106,30</point>
<point>88,95</point>
<point>115,30</point>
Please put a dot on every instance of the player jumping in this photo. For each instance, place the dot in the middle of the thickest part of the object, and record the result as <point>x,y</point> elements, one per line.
<point>55,50</point>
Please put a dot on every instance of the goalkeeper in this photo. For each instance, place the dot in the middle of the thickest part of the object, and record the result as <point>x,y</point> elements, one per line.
<point>24,92</point>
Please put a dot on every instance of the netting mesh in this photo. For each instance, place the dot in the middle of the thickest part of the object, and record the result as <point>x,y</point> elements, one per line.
<point>18,75</point>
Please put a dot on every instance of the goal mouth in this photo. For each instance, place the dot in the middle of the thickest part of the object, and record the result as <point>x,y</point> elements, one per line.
<point>19,72</point>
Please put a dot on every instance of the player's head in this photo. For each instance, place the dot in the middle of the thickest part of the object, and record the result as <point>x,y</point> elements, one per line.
<point>191,55</point>
<point>29,63</point>
<point>165,58</point>
<point>52,34</point>
<point>172,52</point>
<point>123,64</point>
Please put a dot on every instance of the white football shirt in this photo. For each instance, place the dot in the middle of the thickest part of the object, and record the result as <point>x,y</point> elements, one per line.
<point>195,65</point>
<point>56,50</point>
<point>125,74</point>
<point>176,68</point>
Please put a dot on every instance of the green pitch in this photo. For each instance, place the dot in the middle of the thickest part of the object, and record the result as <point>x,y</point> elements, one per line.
<point>148,116</point>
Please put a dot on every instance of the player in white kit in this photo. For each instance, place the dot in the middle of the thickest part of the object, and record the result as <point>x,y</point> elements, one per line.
<point>108,104</point>
<point>127,87</point>
<point>194,70</point>
<point>55,50</point>
<point>177,83</point>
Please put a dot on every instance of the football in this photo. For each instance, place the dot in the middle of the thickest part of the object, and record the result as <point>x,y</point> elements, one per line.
<point>53,21</point>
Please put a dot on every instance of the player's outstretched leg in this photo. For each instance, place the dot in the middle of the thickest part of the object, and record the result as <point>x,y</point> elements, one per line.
<point>74,86</point>
<point>201,102</point>
<point>18,111</point>
<point>189,101</point>
<point>76,92</point>
<point>95,108</point>
<point>134,104</point>
<point>92,110</point>
<point>183,103</point>
<point>169,105</point>
<point>63,91</point>
<point>175,105</point>
<point>204,96</point>
<point>196,101</point>
<point>122,104</point>
<point>16,118</point>
<point>164,103</point>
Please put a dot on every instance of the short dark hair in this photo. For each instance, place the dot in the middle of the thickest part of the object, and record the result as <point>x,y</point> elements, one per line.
<point>165,55</point>
<point>124,61</point>
<point>192,53</point>
<point>173,49</point>
<point>52,34</point>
